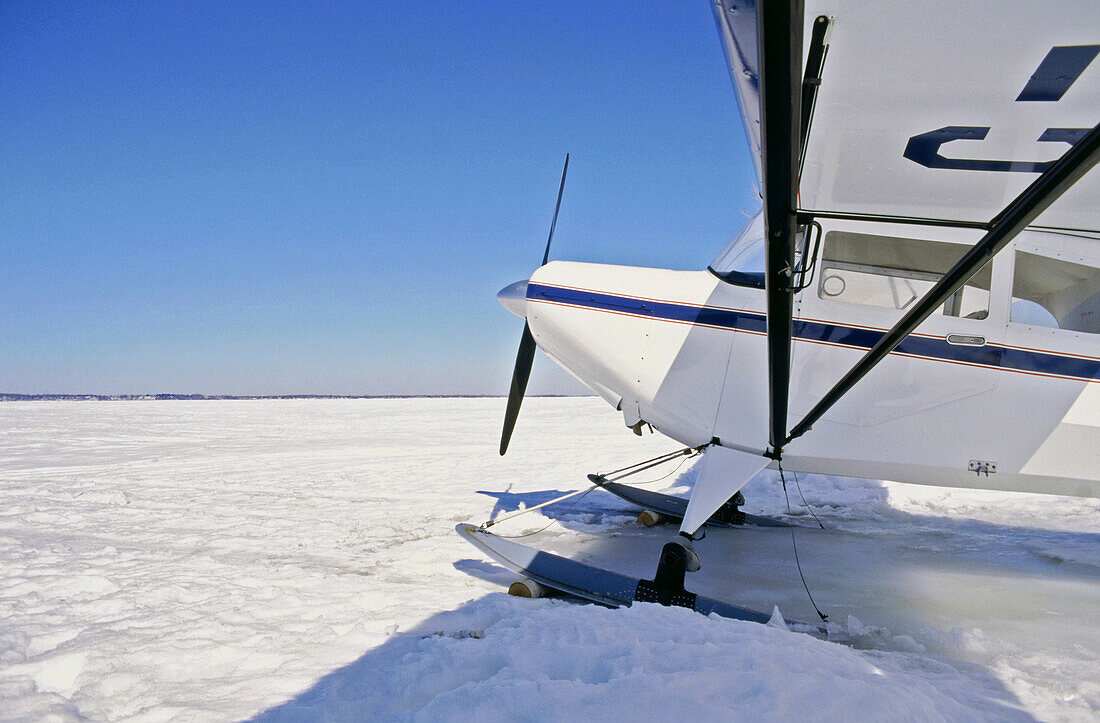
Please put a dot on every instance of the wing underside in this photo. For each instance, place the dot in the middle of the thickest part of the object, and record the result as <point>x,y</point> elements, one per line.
<point>941,111</point>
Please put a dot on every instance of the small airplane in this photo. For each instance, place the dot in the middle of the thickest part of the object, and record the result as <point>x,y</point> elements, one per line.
<point>918,298</point>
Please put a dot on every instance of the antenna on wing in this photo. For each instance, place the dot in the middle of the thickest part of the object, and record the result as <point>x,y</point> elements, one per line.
<point>525,357</point>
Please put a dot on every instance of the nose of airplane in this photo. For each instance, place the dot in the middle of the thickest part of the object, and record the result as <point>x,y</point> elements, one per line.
<point>514,298</point>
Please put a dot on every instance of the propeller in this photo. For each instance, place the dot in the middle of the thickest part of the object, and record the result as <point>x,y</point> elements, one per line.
<point>525,357</point>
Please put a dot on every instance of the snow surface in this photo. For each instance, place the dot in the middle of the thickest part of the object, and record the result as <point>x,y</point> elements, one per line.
<point>296,559</point>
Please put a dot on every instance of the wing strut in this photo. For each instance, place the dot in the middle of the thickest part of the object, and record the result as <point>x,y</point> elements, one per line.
<point>779,30</point>
<point>1003,228</point>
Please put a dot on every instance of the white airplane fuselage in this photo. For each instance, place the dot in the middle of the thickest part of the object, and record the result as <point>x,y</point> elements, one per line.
<point>979,400</point>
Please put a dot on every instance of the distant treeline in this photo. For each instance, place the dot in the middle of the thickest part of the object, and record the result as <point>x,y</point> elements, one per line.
<point>128,397</point>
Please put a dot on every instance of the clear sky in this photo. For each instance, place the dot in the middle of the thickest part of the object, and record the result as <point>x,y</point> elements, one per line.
<point>324,198</point>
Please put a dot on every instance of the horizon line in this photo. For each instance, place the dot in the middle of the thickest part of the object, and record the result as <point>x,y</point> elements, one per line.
<point>13,397</point>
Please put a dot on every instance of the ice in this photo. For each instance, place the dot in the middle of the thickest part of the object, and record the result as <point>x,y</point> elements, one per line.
<point>295,559</point>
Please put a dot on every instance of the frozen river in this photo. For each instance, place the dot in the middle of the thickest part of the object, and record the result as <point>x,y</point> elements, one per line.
<point>296,559</point>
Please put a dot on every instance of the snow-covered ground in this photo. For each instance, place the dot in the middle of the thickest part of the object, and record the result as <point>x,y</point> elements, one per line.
<point>297,559</point>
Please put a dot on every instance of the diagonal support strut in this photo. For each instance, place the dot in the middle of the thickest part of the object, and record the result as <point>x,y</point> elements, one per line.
<point>1015,217</point>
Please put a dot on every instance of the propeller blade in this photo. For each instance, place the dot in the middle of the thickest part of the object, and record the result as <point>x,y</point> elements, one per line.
<point>526,355</point>
<point>524,358</point>
<point>561,188</point>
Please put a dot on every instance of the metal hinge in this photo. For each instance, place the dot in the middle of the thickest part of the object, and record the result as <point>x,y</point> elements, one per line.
<point>980,467</point>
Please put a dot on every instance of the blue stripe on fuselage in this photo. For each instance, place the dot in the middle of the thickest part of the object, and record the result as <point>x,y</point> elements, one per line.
<point>991,355</point>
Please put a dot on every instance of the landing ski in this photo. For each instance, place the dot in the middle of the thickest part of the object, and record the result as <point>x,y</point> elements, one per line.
<point>675,507</point>
<point>589,582</point>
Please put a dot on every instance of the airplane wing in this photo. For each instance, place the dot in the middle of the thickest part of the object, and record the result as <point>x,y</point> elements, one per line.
<point>737,27</point>
<point>927,113</point>
<point>941,111</point>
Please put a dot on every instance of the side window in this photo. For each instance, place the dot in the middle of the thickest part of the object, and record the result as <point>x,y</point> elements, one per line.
<point>894,272</point>
<point>1055,293</point>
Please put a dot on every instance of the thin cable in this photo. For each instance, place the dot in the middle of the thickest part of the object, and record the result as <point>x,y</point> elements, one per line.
<point>574,504</point>
<point>659,460</point>
<point>598,480</point>
<point>552,521</point>
<point>673,471</point>
<point>823,616</point>
<point>811,509</point>
<point>647,464</point>
<point>524,511</point>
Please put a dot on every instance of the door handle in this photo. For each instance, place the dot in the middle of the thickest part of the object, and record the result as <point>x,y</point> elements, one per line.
<point>965,340</point>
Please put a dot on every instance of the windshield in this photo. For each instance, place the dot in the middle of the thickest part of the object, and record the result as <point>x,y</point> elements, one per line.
<point>742,261</point>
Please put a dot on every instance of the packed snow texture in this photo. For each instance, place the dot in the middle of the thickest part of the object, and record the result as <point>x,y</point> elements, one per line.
<point>296,560</point>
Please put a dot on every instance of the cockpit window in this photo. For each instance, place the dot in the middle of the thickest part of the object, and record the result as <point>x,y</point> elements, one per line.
<point>742,261</point>
<point>894,273</point>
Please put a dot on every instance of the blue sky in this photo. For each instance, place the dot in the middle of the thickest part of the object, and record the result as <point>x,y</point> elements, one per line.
<point>324,198</point>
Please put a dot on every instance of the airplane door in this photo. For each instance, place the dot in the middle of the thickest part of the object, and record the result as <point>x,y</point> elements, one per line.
<point>864,284</point>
